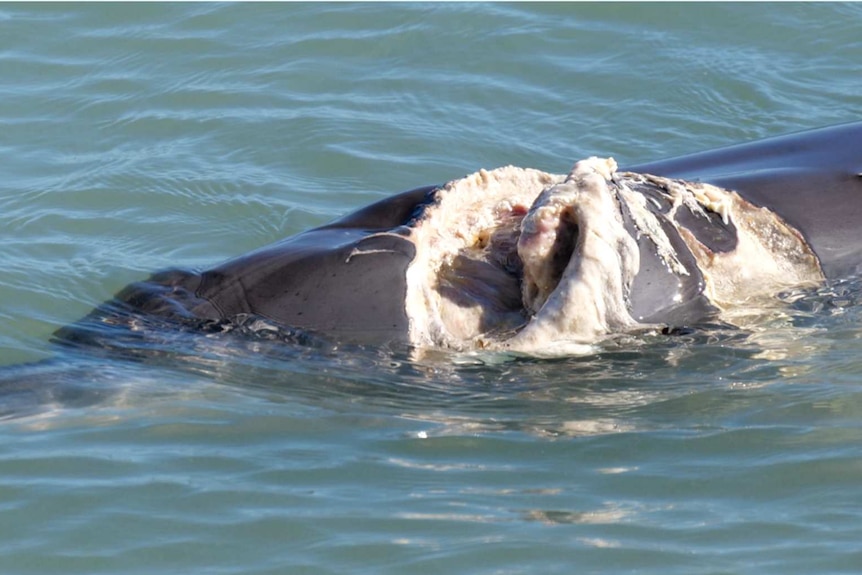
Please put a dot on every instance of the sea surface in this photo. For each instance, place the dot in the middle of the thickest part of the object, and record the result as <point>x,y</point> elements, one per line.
<point>139,137</point>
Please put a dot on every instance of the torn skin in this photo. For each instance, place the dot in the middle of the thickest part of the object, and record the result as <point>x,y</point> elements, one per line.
<point>589,299</point>
<point>521,260</point>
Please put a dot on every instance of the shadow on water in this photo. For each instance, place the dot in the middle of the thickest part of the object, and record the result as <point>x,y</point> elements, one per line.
<point>113,356</point>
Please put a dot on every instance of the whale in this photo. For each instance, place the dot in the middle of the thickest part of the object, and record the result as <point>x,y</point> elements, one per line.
<point>518,259</point>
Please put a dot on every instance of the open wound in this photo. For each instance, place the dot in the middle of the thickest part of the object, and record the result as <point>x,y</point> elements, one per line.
<point>522,260</point>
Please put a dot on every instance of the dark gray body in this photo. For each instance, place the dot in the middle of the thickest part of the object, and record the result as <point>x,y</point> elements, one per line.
<point>811,179</point>
<point>309,281</point>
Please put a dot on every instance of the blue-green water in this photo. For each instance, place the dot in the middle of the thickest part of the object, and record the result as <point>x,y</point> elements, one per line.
<point>135,137</point>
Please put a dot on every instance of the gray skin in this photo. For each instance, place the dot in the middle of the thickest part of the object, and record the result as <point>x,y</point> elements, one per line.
<point>309,281</point>
<point>812,179</point>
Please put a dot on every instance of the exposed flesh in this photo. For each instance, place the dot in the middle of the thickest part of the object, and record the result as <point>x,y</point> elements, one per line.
<point>523,260</point>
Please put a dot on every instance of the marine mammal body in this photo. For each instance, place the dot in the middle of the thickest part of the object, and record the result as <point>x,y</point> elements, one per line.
<point>520,259</point>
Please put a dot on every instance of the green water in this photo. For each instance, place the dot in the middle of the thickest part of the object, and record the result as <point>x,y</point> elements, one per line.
<point>135,137</point>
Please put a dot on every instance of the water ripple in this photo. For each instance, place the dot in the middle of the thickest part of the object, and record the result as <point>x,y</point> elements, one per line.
<point>136,137</point>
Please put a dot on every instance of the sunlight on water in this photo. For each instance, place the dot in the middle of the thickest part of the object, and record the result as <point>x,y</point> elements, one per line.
<point>138,137</point>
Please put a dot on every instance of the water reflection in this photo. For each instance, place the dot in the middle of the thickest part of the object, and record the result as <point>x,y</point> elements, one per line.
<point>619,389</point>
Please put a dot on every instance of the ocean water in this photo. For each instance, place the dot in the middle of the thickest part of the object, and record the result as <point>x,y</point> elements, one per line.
<point>137,137</point>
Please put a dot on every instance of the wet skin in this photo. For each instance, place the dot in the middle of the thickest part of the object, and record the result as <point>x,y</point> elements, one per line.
<point>311,281</point>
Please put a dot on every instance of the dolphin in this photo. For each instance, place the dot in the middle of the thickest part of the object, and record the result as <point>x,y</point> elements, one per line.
<point>521,259</point>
